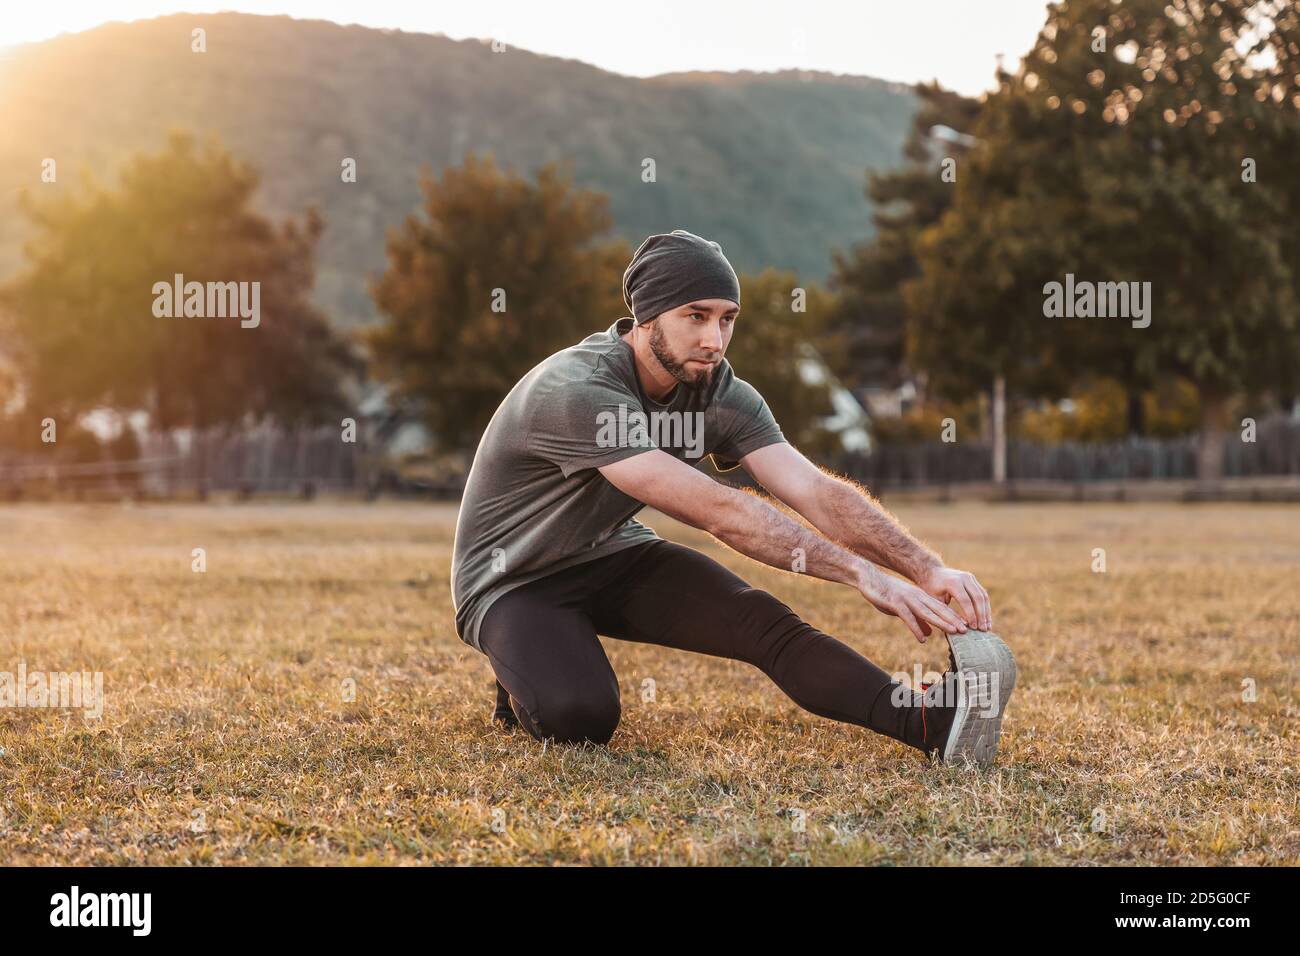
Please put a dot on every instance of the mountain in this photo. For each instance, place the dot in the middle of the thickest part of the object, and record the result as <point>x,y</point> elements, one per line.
<point>771,165</point>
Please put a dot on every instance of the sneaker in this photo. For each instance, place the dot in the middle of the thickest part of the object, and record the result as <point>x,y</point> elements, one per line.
<point>503,714</point>
<point>980,683</point>
<point>938,710</point>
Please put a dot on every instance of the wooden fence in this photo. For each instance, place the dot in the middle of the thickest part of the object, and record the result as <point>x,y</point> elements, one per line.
<point>261,460</point>
<point>270,460</point>
<point>1275,451</point>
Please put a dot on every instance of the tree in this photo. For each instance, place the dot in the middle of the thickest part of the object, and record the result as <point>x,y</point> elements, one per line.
<point>1116,153</point>
<point>870,313</point>
<point>495,275</point>
<point>1100,413</point>
<point>768,348</point>
<point>82,317</point>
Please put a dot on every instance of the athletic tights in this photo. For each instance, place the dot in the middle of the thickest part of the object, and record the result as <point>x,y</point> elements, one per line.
<point>541,641</point>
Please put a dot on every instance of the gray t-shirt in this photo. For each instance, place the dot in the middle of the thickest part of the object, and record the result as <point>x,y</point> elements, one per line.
<point>534,502</point>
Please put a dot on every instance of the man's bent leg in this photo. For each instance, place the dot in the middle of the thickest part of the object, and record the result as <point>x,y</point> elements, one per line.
<point>548,658</point>
<point>678,597</point>
<point>503,712</point>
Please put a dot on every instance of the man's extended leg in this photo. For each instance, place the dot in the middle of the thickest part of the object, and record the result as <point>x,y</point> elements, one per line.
<point>677,597</point>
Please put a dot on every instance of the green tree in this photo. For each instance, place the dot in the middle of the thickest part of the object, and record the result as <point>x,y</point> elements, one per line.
<point>778,331</point>
<point>493,276</point>
<point>81,319</point>
<point>1116,153</point>
<point>869,311</point>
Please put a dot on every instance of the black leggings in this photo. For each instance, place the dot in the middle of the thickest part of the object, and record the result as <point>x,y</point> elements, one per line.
<point>541,641</point>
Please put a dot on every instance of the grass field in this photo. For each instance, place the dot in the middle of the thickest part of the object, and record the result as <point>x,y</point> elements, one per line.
<point>226,736</point>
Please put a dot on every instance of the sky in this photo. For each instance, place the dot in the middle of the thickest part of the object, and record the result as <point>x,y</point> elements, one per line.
<point>954,41</point>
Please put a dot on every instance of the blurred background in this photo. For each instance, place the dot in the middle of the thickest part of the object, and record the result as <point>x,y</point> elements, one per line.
<point>434,201</point>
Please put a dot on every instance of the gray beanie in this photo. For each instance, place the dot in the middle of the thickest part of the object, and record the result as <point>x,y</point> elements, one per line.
<point>673,269</point>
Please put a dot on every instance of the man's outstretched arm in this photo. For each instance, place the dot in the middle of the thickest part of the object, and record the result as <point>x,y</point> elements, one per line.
<point>755,528</point>
<point>851,517</point>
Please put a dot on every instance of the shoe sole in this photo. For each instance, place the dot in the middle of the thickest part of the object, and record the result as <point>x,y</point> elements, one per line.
<point>987,676</point>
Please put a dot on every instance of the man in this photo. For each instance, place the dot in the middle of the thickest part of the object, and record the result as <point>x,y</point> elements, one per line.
<point>548,553</point>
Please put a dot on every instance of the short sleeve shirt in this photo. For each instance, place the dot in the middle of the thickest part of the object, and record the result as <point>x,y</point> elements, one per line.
<point>534,502</point>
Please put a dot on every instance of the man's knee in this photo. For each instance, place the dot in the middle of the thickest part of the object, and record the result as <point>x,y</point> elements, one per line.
<point>578,718</point>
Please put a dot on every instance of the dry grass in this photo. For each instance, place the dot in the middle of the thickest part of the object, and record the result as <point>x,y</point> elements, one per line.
<point>225,736</point>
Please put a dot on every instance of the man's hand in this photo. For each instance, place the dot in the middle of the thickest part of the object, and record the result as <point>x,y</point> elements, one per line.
<point>950,584</point>
<point>918,610</point>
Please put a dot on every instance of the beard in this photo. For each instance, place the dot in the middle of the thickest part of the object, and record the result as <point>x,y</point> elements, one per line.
<point>696,381</point>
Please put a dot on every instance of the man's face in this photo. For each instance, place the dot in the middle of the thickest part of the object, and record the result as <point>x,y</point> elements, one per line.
<point>689,341</point>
